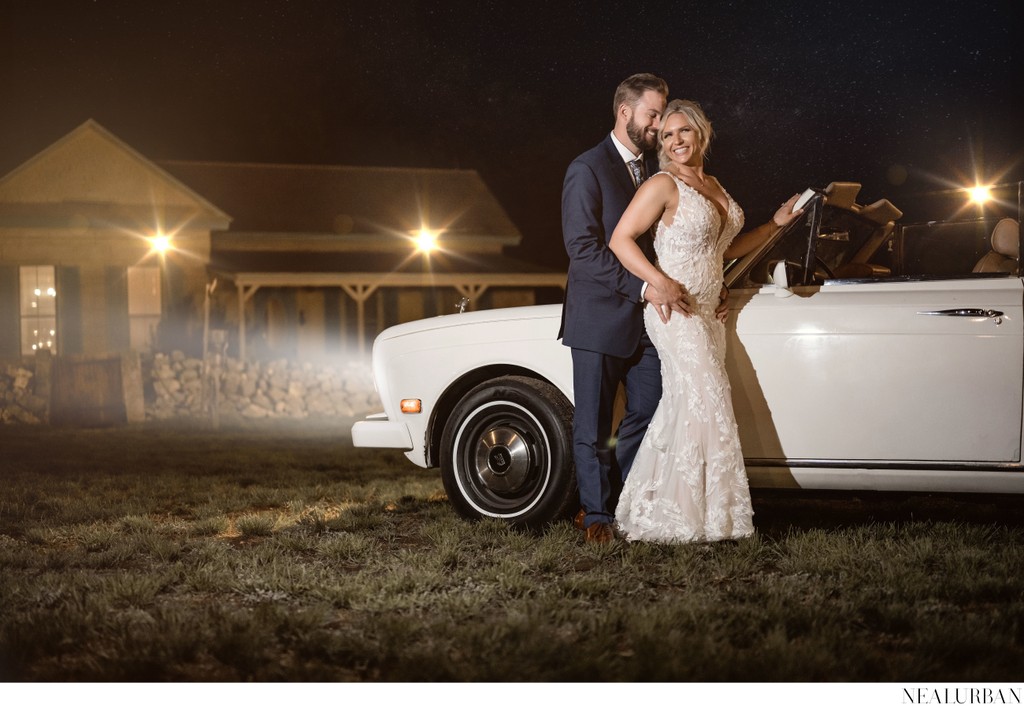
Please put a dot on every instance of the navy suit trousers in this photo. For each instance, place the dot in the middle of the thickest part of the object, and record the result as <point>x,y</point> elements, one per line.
<point>603,456</point>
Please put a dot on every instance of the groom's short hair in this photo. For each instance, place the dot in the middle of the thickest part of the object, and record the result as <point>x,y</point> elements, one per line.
<point>630,90</point>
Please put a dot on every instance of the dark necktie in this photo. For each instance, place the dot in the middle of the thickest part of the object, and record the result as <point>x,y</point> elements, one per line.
<point>637,168</point>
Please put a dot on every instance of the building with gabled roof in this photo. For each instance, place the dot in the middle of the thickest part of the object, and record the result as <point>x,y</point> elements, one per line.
<point>78,270</point>
<point>104,250</point>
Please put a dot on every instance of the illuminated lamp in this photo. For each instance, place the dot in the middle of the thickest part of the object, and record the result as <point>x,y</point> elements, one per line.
<point>980,193</point>
<point>411,405</point>
<point>426,240</point>
<point>160,243</point>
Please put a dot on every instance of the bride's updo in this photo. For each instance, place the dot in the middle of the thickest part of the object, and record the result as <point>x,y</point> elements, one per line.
<point>695,114</point>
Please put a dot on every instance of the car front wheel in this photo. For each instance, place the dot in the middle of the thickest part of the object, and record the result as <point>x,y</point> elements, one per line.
<point>506,453</point>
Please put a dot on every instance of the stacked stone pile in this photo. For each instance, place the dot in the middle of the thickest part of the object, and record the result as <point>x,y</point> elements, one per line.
<point>182,388</point>
<point>277,389</point>
<point>18,400</point>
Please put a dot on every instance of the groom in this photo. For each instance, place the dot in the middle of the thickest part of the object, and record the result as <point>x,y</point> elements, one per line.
<point>602,319</point>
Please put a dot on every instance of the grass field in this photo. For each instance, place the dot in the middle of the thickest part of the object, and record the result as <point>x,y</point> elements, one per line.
<point>279,552</point>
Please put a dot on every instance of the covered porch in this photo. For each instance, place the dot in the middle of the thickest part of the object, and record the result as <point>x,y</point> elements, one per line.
<point>358,287</point>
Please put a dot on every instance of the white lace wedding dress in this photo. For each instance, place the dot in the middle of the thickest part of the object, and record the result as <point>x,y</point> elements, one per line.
<point>688,482</point>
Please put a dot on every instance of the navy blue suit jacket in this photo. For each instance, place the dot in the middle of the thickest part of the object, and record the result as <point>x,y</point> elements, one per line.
<point>603,309</point>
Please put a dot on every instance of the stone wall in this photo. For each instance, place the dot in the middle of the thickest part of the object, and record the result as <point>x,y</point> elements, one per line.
<point>18,400</point>
<point>276,389</point>
<point>178,387</point>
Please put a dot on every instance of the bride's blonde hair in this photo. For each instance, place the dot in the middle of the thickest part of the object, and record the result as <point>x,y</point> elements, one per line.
<point>695,114</point>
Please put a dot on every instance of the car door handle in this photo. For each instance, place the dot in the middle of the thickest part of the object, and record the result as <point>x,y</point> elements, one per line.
<point>963,312</point>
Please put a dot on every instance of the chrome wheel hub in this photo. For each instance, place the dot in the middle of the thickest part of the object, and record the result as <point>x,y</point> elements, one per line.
<point>502,459</point>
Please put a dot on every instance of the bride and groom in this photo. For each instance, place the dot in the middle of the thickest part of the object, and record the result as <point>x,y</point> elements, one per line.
<point>641,197</point>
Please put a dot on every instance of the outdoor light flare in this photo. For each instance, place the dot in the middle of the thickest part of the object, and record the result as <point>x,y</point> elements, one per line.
<point>160,243</point>
<point>980,193</point>
<point>426,240</point>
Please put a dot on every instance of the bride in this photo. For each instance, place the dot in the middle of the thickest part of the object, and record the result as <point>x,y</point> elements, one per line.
<point>688,482</point>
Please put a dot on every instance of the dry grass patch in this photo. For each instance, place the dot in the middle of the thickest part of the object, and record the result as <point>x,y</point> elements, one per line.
<point>158,554</point>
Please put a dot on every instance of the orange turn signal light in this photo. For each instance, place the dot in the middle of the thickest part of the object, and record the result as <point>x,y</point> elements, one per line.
<point>412,405</point>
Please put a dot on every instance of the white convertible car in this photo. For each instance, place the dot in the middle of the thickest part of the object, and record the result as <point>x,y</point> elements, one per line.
<point>862,356</point>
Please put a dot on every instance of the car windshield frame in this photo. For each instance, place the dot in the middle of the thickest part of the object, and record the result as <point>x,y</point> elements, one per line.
<point>830,236</point>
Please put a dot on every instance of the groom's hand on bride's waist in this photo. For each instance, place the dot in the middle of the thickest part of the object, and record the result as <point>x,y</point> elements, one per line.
<point>722,311</point>
<point>668,297</point>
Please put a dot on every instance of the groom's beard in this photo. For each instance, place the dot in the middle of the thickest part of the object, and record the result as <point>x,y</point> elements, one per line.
<point>640,138</point>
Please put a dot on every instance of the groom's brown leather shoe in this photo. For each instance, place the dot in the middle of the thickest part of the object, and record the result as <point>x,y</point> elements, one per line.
<point>581,516</point>
<point>599,532</point>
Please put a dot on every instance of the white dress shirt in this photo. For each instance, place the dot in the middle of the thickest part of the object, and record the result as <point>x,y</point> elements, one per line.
<point>627,156</point>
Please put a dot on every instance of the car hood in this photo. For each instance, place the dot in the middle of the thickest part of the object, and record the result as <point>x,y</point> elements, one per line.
<point>466,319</point>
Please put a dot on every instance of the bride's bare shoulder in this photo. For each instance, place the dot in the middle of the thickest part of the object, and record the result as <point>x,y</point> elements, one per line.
<point>658,188</point>
<point>663,181</point>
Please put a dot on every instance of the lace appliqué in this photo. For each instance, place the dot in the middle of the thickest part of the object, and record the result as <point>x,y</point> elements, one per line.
<point>688,482</point>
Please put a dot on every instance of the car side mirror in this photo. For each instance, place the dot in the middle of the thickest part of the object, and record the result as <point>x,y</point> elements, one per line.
<point>781,280</point>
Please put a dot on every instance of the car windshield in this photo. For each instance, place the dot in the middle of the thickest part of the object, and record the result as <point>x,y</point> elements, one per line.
<point>844,239</point>
<point>854,243</point>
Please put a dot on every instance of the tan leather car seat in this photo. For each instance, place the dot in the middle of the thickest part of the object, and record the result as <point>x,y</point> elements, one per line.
<point>1005,253</point>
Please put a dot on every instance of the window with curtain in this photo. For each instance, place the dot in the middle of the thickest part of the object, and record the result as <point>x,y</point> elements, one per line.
<point>38,287</point>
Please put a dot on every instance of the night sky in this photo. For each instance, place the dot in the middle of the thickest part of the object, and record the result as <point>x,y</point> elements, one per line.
<point>902,97</point>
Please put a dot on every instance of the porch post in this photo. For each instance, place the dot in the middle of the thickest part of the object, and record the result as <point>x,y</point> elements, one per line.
<point>360,293</point>
<point>244,295</point>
